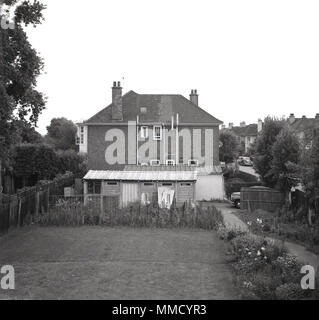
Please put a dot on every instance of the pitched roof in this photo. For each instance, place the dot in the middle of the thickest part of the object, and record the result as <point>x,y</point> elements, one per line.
<point>250,130</point>
<point>303,124</point>
<point>160,108</point>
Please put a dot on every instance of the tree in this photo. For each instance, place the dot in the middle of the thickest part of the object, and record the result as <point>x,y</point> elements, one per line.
<point>308,170</point>
<point>285,154</point>
<point>72,161</point>
<point>20,65</point>
<point>26,133</point>
<point>229,146</point>
<point>61,134</point>
<point>34,162</point>
<point>263,153</point>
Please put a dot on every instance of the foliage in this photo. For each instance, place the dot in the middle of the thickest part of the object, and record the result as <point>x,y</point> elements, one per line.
<point>61,134</point>
<point>20,65</point>
<point>285,153</point>
<point>72,161</point>
<point>75,213</point>
<point>33,162</point>
<point>229,148</point>
<point>266,271</point>
<point>264,154</point>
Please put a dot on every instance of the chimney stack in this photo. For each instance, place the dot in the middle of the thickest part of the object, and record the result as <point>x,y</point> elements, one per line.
<point>259,125</point>
<point>117,112</point>
<point>291,118</point>
<point>193,97</point>
<point>243,124</point>
<point>317,116</point>
<point>230,126</point>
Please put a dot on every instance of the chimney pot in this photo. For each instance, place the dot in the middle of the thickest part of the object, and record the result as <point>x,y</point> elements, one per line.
<point>317,116</point>
<point>230,126</point>
<point>114,84</point>
<point>119,84</point>
<point>304,117</point>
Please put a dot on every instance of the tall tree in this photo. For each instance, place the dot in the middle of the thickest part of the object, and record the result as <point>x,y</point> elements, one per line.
<point>228,150</point>
<point>263,153</point>
<point>61,134</point>
<point>285,153</point>
<point>20,65</point>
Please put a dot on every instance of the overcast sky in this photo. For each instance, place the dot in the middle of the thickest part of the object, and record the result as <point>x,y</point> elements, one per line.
<point>247,59</point>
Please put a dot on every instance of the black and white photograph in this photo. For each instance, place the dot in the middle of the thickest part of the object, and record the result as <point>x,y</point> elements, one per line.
<point>159,155</point>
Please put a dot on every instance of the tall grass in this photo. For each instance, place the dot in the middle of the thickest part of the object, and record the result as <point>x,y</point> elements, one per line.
<point>66,213</point>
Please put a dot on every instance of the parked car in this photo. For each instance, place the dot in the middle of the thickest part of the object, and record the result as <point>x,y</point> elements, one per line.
<point>244,161</point>
<point>235,199</point>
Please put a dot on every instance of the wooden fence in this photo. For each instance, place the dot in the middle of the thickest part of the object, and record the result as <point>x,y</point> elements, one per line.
<point>252,199</point>
<point>22,208</point>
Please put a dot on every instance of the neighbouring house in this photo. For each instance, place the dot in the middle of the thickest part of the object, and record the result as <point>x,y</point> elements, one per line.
<point>245,134</point>
<point>304,128</point>
<point>141,143</point>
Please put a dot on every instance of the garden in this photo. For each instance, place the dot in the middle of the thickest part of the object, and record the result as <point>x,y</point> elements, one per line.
<point>263,268</point>
<point>283,225</point>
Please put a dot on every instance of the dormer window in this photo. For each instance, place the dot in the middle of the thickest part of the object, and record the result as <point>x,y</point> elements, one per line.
<point>143,110</point>
<point>157,132</point>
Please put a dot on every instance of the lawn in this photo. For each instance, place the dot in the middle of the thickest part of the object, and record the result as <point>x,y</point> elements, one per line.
<point>116,263</point>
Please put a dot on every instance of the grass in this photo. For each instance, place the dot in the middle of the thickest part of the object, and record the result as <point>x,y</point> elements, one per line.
<point>93,262</point>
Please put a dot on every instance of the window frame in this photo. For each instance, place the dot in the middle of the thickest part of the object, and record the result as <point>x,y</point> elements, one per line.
<point>172,162</point>
<point>157,138</point>
<point>145,133</point>
<point>192,165</point>
<point>158,163</point>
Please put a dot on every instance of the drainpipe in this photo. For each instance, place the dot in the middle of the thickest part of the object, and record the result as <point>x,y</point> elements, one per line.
<point>164,144</point>
<point>137,120</point>
<point>176,141</point>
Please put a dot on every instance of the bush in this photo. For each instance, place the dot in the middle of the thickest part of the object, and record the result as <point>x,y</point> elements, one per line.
<point>290,291</point>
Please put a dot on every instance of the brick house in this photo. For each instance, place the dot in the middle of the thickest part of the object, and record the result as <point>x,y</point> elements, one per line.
<point>166,132</point>
<point>245,134</point>
<point>304,128</point>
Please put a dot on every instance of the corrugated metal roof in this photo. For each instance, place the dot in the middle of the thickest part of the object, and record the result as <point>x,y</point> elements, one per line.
<point>141,175</point>
<point>179,167</point>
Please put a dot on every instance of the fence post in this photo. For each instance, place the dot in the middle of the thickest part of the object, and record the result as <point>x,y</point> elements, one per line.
<point>37,204</point>
<point>19,212</point>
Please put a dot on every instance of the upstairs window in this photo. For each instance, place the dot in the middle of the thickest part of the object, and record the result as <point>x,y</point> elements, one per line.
<point>157,132</point>
<point>155,162</point>
<point>144,132</point>
<point>143,110</point>
<point>170,162</point>
<point>193,163</point>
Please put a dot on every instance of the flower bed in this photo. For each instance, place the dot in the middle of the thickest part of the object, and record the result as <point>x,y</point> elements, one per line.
<point>276,226</point>
<point>264,269</point>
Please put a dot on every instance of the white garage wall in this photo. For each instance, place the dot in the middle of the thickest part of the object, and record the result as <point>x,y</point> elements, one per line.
<point>210,187</point>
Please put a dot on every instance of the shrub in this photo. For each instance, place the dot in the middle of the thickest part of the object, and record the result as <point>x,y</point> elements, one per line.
<point>290,291</point>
